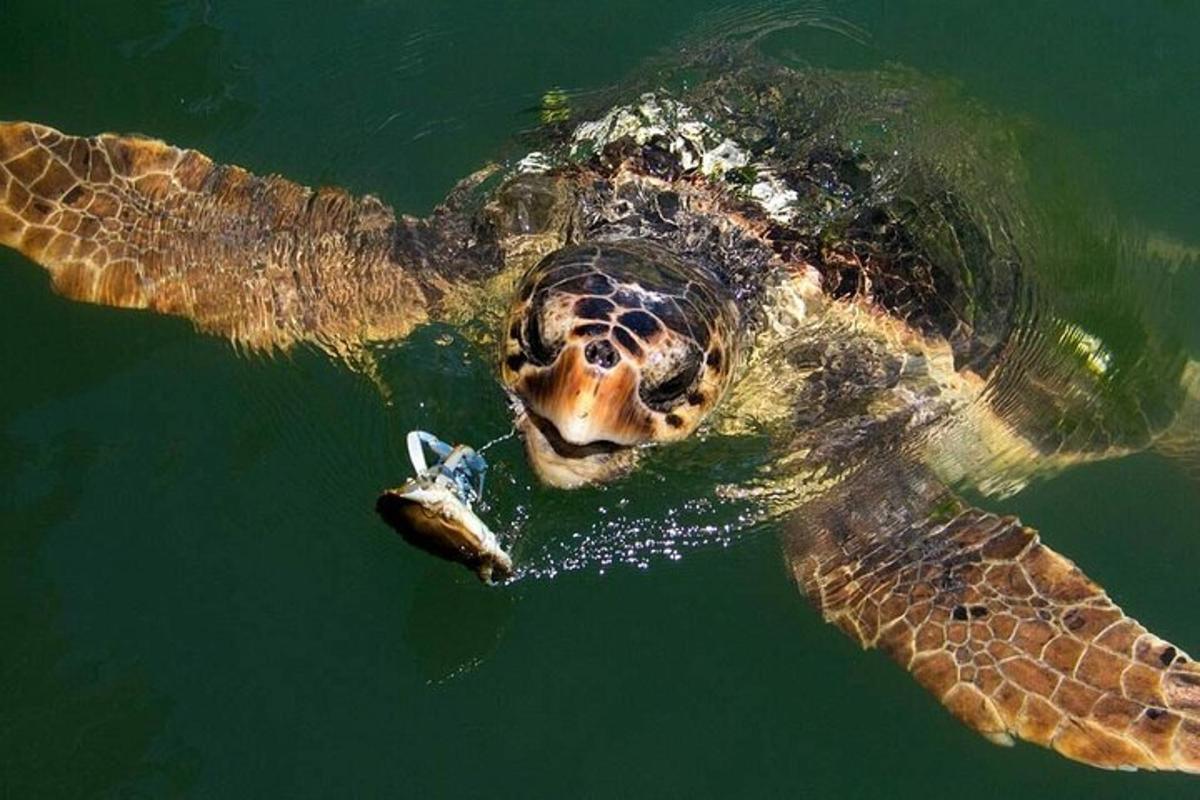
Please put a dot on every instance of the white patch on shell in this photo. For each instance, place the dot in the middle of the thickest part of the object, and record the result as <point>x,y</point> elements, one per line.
<point>694,142</point>
<point>725,156</point>
<point>535,163</point>
<point>650,118</point>
<point>775,197</point>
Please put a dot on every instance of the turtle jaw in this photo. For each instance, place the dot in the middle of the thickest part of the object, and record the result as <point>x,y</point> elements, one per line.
<point>581,423</point>
<point>563,465</point>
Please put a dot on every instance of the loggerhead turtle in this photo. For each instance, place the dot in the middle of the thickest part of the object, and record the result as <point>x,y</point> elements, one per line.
<point>791,248</point>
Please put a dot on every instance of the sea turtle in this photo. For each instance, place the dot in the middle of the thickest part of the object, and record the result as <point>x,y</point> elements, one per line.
<point>795,250</point>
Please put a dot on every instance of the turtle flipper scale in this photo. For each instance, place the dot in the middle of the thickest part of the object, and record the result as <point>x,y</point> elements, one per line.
<point>137,223</point>
<point>1009,635</point>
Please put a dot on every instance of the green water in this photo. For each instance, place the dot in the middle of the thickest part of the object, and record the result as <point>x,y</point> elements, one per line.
<point>196,598</point>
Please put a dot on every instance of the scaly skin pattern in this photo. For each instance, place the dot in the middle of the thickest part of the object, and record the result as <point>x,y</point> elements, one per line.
<point>139,224</point>
<point>1009,635</point>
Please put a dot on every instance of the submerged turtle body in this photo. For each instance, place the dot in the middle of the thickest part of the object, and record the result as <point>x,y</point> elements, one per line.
<point>789,254</point>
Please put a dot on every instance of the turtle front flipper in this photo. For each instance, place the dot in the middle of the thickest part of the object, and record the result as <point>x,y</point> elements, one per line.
<point>134,222</point>
<point>1011,636</point>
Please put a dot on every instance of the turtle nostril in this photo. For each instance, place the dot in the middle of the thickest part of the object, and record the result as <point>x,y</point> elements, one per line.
<point>601,353</point>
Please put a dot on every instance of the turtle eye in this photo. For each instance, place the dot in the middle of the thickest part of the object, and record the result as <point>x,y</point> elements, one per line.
<point>666,394</point>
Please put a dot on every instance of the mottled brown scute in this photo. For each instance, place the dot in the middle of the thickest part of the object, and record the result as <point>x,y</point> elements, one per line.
<point>134,222</point>
<point>1017,641</point>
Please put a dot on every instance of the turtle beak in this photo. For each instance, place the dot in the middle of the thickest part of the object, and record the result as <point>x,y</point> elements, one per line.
<point>581,422</point>
<point>563,465</point>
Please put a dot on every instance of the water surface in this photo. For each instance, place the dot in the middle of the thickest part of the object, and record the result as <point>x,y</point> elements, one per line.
<point>196,598</point>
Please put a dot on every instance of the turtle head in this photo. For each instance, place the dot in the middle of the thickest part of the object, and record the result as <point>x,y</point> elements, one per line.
<point>610,346</point>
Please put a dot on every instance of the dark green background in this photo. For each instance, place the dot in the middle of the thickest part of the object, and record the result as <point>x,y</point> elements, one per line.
<point>195,595</point>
